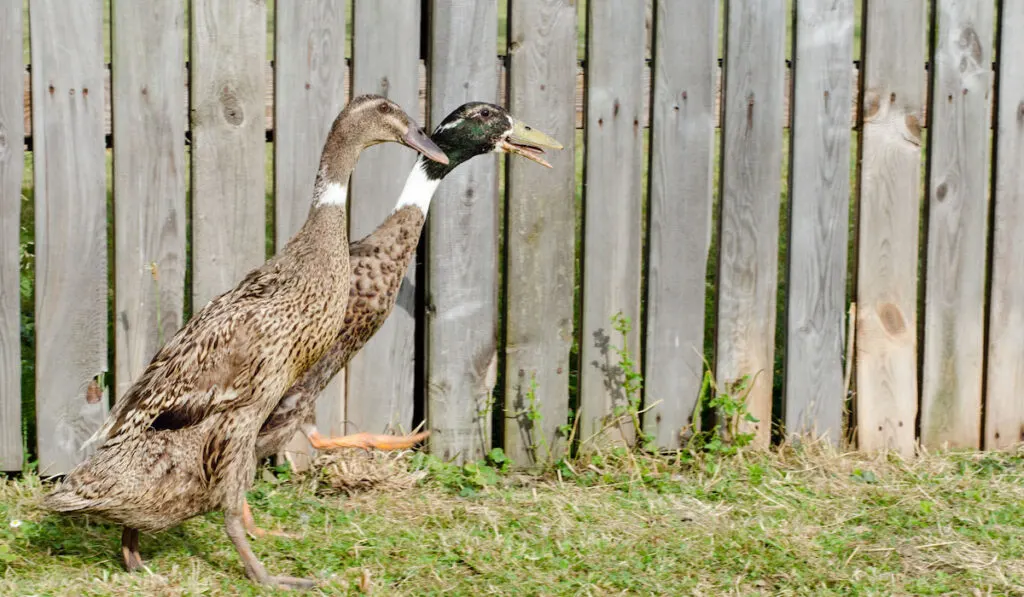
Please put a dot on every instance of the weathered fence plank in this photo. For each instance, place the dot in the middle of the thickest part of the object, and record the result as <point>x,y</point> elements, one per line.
<point>751,183</point>
<point>681,173</point>
<point>502,98</point>
<point>12,129</point>
<point>381,375</point>
<point>888,227</point>
<point>309,52</point>
<point>612,224</point>
<point>819,208</point>
<point>149,182</point>
<point>954,315</point>
<point>462,242</point>
<point>228,183</point>
<point>71,224</point>
<point>1004,403</point>
<point>540,230</point>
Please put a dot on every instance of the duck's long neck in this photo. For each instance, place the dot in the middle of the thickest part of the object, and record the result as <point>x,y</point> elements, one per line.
<point>327,220</point>
<point>419,189</point>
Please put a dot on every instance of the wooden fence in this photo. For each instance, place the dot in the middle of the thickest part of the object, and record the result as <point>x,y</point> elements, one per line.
<point>733,202</point>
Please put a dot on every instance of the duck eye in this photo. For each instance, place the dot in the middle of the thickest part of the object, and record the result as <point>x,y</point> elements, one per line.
<point>384,108</point>
<point>485,113</point>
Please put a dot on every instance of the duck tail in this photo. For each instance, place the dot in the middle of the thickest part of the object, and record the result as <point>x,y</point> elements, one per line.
<point>64,499</point>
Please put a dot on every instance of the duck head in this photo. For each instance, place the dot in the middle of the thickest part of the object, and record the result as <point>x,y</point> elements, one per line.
<point>476,128</point>
<point>381,120</point>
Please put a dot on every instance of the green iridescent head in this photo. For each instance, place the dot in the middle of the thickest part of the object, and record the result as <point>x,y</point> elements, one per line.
<point>476,128</point>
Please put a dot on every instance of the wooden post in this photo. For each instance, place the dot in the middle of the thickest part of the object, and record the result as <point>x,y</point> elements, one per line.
<point>1004,408</point>
<point>679,217</point>
<point>71,228</point>
<point>954,315</point>
<point>612,226</point>
<point>12,131</point>
<point>819,208</point>
<point>894,92</point>
<point>541,229</point>
<point>228,154</point>
<point>385,61</point>
<point>148,90</point>
<point>309,91</point>
<point>462,241</point>
<point>751,184</point>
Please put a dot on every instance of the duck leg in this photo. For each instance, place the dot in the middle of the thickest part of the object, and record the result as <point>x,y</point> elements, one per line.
<point>130,549</point>
<point>365,441</point>
<point>254,569</point>
<point>256,532</point>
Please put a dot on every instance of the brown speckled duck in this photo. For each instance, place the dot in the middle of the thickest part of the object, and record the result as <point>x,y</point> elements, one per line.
<point>379,262</point>
<point>182,440</point>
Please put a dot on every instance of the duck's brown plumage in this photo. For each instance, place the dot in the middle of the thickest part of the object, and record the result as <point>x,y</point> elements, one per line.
<point>181,442</point>
<point>377,263</point>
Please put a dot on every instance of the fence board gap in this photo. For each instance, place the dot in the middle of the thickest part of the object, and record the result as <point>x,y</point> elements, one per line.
<point>71,228</point>
<point>309,91</point>
<point>612,226</point>
<point>12,129</point>
<point>1004,407</point>
<point>381,376</point>
<point>541,232</point>
<point>228,57</point>
<point>954,316</point>
<point>681,169</point>
<point>749,221</point>
<point>819,197</point>
<point>462,256</point>
<point>888,227</point>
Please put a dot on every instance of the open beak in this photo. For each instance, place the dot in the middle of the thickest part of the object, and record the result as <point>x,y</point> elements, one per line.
<point>529,143</point>
<point>418,140</point>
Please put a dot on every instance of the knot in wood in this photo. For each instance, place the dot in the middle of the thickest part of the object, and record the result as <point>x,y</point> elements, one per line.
<point>970,45</point>
<point>940,191</point>
<point>892,319</point>
<point>914,128</point>
<point>872,102</point>
<point>3,139</point>
<point>231,108</point>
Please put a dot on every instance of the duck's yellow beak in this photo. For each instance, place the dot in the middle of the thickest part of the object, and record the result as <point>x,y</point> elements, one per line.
<point>528,142</point>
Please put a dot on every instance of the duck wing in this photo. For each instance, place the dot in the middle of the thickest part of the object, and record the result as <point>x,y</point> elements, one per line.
<point>205,368</point>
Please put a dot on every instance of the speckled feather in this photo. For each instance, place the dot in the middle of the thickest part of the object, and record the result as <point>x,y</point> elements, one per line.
<point>378,263</point>
<point>181,442</point>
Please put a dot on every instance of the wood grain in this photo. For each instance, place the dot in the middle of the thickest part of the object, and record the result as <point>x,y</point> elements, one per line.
<point>70,229</point>
<point>888,226</point>
<point>381,375</point>
<point>540,229</point>
<point>612,226</point>
<point>749,224</point>
<point>1004,401</point>
<point>309,91</point>
<point>228,181</point>
<point>819,195</point>
<point>11,163</point>
<point>149,182</point>
<point>502,96</point>
<point>954,316</point>
<point>462,242</point>
<point>679,227</point>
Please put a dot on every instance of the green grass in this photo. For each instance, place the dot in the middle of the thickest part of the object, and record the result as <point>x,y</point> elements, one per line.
<point>790,522</point>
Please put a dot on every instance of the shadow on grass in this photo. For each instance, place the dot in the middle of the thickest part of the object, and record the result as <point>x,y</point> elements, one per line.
<point>85,541</point>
